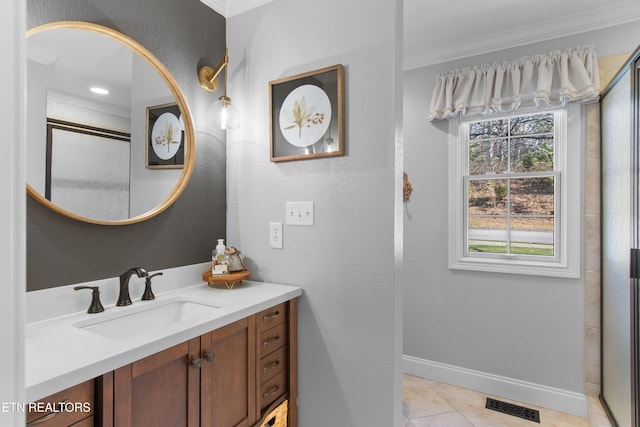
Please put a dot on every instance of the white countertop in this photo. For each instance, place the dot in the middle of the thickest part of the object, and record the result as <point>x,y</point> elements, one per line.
<point>59,354</point>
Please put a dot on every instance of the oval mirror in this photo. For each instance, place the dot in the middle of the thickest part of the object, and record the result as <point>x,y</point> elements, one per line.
<point>110,138</point>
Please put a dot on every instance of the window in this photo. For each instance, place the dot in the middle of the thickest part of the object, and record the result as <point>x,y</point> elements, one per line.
<point>516,191</point>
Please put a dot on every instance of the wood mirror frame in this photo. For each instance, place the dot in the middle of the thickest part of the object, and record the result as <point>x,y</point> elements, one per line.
<point>189,134</point>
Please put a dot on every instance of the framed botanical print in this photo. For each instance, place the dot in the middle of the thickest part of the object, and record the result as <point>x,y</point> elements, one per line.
<point>165,137</point>
<point>307,115</point>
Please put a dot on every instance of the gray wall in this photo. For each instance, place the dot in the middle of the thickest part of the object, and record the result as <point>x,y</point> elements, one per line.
<point>348,317</point>
<point>522,327</point>
<point>181,35</point>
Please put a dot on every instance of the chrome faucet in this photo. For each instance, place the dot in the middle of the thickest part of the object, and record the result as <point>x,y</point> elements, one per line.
<point>123,298</point>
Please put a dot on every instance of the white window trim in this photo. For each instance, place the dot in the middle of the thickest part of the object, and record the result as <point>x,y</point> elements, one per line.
<point>569,158</point>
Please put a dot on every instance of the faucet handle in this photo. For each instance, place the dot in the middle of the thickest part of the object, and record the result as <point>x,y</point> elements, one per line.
<point>148,293</point>
<point>96,306</point>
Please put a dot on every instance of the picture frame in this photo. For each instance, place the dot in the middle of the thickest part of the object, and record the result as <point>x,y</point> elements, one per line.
<point>164,137</point>
<point>307,115</point>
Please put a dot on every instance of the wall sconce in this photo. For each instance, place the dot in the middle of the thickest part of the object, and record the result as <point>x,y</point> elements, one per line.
<point>225,114</point>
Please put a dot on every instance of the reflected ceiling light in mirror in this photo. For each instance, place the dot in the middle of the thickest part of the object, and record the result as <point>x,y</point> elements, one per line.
<point>99,90</point>
<point>225,114</point>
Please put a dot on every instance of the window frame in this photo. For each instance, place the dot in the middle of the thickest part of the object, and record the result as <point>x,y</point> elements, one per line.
<point>568,145</point>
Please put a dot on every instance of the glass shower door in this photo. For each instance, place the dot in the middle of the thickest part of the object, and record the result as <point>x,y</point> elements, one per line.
<point>617,241</point>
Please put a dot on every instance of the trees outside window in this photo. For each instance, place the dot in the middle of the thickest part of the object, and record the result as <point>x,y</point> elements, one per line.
<point>514,184</point>
<point>511,186</point>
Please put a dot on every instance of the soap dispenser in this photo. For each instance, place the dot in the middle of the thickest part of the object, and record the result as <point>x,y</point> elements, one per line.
<point>220,264</point>
<point>220,251</point>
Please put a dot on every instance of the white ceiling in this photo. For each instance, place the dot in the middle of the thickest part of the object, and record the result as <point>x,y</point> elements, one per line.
<point>442,30</point>
<point>78,59</point>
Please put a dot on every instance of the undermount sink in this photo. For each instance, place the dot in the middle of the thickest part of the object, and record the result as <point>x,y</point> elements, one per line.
<point>145,317</point>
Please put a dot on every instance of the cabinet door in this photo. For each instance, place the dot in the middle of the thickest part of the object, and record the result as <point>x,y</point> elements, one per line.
<point>228,375</point>
<point>159,390</point>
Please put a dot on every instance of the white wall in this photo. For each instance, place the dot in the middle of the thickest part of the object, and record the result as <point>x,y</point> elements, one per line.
<point>12,216</point>
<point>526,330</point>
<point>348,343</point>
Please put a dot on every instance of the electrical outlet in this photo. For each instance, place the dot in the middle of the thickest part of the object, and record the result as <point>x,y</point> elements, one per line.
<point>275,235</point>
<point>299,213</point>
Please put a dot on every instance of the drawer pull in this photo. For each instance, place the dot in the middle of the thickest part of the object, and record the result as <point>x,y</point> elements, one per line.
<point>273,390</point>
<point>208,356</point>
<point>271,341</point>
<point>271,316</point>
<point>196,363</point>
<point>271,365</point>
<point>45,418</point>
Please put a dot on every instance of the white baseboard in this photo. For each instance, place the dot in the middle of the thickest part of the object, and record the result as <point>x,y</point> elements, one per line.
<point>535,394</point>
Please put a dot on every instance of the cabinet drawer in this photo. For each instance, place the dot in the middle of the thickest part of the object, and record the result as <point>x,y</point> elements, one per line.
<point>272,339</point>
<point>63,408</point>
<point>87,422</point>
<point>271,317</point>
<point>272,364</point>
<point>272,389</point>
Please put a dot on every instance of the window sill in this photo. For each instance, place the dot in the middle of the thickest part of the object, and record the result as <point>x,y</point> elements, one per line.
<point>509,266</point>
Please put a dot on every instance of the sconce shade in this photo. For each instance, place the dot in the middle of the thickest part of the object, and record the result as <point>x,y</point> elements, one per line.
<point>224,114</point>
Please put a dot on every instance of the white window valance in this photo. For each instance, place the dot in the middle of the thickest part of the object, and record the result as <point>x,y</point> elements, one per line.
<point>528,82</point>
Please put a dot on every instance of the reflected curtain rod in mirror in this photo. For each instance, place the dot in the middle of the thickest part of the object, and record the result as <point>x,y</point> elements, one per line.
<point>122,157</point>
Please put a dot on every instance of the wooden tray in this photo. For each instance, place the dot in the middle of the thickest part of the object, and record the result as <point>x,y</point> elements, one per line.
<point>229,279</point>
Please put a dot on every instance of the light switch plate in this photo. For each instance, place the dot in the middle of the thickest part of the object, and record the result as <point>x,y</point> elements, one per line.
<point>275,235</point>
<point>299,213</point>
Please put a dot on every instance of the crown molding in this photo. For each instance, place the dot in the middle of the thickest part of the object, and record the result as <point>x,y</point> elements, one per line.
<point>219,6</point>
<point>554,28</point>
<point>238,7</point>
<point>235,7</point>
<point>55,96</point>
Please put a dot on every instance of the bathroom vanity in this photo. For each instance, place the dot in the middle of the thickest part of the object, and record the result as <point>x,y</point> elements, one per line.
<point>229,363</point>
<point>192,356</point>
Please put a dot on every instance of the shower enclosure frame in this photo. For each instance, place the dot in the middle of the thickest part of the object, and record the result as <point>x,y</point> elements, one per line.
<point>615,390</point>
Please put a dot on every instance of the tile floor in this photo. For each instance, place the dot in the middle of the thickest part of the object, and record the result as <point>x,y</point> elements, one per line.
<point>428,403</point>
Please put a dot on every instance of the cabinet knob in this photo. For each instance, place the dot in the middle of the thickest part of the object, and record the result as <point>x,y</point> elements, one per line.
<point>208,356</point>
<point>196,363</point>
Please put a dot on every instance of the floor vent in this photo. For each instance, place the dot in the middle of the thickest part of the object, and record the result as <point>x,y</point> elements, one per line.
<point>515,410</point>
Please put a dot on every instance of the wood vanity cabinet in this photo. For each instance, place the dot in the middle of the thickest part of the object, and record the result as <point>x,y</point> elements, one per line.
<point>71,407</point>
<point>160,390</point>
<point>230,377</point>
